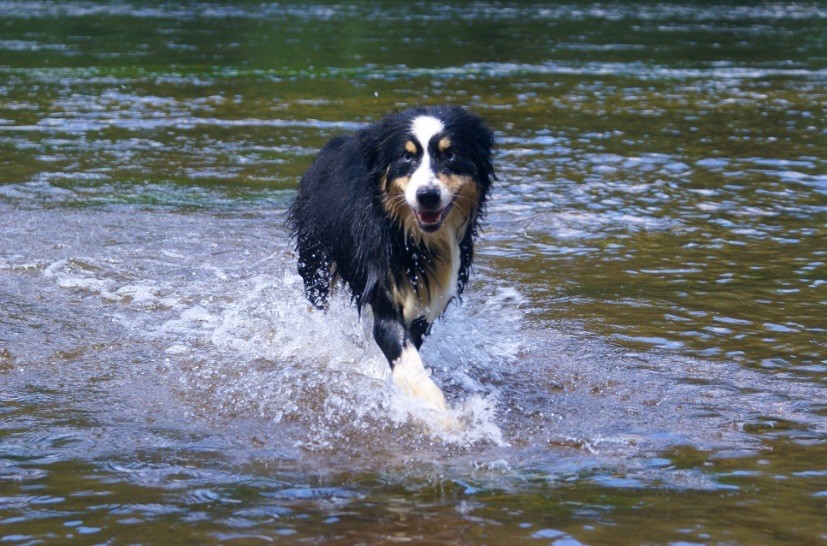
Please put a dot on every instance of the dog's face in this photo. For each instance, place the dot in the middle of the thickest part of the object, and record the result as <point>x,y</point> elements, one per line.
<point>437,168</point>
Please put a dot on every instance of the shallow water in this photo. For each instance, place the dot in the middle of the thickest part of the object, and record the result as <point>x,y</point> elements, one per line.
<point>639,358</point>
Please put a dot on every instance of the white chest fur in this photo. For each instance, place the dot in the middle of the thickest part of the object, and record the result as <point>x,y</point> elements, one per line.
<point>442,281</point>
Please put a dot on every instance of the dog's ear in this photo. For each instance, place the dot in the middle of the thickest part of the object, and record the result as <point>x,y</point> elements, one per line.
<point>478,140</point>
<point>370,146</point>
<point>483,147</point>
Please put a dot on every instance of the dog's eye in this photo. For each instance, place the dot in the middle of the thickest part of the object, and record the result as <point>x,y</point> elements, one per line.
<point>450,156</point>
<point>408,157</point>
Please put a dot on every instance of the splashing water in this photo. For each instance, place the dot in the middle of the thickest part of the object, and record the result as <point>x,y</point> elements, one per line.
<point>643,330</point>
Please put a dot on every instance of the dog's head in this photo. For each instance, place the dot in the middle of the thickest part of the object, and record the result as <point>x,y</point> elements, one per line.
<point>432,167</point>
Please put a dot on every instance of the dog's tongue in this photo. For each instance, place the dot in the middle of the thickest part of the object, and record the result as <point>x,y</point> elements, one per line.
<point>429,217</point>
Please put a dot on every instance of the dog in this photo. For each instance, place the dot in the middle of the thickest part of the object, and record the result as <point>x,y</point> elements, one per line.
<point>392,211</point>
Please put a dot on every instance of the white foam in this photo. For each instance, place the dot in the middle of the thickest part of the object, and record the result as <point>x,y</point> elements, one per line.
<point>254,348</point>
<point>469,422</point>
<point>80,275</point>
<point>274,321</point>
<point>288,356</point>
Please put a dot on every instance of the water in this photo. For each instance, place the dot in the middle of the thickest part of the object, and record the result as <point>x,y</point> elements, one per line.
<point>639,359</point>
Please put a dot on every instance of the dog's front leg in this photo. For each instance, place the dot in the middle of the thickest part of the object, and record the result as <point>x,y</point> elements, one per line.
<point>410,376</point>
<point>409,373</point>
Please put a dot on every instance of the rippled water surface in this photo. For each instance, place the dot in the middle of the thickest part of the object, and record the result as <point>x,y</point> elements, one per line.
<point>640,357</point>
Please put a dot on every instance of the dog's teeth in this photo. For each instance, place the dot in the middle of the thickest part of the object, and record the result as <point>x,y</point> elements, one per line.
<point>429,217</point>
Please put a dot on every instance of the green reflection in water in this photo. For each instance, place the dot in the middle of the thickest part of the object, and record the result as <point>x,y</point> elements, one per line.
<point>662,189</point>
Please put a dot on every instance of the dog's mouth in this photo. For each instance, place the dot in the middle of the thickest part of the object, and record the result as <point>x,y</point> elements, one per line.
<point>431,220</point>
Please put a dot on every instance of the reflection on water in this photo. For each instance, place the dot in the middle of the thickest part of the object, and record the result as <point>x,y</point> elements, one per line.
<point>640,356</point>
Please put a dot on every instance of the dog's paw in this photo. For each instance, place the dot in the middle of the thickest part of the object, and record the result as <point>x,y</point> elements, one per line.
<point>431,407</point>
<point>410,376</point>
<point>417,384</point>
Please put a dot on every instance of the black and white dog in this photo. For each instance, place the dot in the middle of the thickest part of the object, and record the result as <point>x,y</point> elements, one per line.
<point>392,210</point>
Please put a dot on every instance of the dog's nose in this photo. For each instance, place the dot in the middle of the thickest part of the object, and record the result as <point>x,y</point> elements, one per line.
<point>428,197</point>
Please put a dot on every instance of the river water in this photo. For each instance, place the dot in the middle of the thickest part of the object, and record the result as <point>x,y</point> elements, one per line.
<point>640,356</point>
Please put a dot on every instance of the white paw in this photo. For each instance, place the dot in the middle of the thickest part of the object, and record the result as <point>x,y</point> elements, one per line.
<point>420,387</point>
<point>410,376</point>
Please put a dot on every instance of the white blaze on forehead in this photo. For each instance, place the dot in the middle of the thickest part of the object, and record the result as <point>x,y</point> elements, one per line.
<point>425,128</point>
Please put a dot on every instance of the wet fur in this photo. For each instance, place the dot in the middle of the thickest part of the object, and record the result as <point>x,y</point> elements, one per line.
<point>350,221</point>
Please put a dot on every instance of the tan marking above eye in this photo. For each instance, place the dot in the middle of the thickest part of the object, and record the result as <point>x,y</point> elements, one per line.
<point>410,147</point>
<point>444,144</point>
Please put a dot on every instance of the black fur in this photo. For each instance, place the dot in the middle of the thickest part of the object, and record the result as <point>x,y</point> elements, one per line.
<point>341,227</point>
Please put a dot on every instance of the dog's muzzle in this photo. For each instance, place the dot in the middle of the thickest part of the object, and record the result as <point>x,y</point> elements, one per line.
<point>429,212</point>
